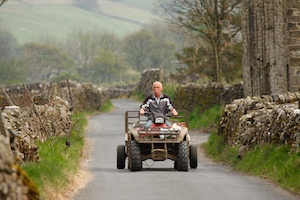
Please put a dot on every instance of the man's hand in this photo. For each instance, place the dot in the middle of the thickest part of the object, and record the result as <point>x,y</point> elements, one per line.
<point>174,112</point>
<point>142,111</point>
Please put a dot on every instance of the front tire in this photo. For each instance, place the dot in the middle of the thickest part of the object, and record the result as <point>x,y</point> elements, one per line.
<point>183,156</point>
<point>121,156</point>
<point>135,160</point>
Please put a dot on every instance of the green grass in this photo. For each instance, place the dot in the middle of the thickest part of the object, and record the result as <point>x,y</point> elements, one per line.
<point>169,89</point>
<point>215,145</point>
<point>28,21</point>
<point>275,163</point>
<point>107,106</point>
<point>208,119</point>
<point>137,96</point>
<point>57,161</point>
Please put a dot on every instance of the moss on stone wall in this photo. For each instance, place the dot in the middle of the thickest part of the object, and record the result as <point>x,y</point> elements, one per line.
<point>190,96</point>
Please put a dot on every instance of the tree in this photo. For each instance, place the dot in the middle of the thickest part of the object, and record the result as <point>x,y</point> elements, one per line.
<point>12,72</point>
<point>106,41</point>
<point>213,23</point>
<point>8,44</point>
<point>10,67</point>
<point>2,2</point>
<point>196,61</point>
<point>136,48</point>
<point>46,62</point>
<point>46,37</point>
<point>84,45</point>
<point>145,50</point>
<point>191,58</point>
<point>106,67</point>
<point>82,48</point>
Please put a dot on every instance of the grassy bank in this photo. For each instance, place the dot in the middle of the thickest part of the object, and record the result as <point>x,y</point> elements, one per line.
<point>275,163</point>
<point>59,157</point>
<point>58,160</point>
<point>209,119</point>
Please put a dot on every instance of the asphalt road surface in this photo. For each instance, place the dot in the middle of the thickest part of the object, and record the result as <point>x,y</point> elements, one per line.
<point>159,180</point>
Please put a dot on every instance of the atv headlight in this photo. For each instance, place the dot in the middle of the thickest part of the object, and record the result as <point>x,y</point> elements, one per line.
<point>159,120</point>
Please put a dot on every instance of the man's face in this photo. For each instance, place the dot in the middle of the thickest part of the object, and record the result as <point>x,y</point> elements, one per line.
<point>157,89</point>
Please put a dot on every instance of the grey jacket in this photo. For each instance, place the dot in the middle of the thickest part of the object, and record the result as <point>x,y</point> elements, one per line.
<point>161,105</point>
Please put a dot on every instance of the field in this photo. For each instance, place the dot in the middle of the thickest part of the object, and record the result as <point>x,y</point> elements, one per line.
<point>28,19</point>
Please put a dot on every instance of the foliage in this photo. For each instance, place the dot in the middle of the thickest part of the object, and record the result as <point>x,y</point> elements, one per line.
<point>197,64</point>
<point>231,60</point>
<point>213,24</point>
<point>107,106</point>
<point>81,47</point>
<point>12,72</point>
<point>215,145</point>
<point>208,119</point>
<point>106,67</point>
<point>93,55</point>
<point>58,161</point>
<point>2,2</point>
<point>137,96</point>
<point>45,62</point>
<point>275,163</point>
<point>8,44</point>
<point>145,50</point>
<point>169,89</point>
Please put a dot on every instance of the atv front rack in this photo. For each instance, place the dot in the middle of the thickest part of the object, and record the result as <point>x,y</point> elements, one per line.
<point>133,118</point>
<point>158,131</point>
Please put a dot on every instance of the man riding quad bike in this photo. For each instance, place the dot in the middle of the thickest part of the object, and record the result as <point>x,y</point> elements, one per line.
<point>158,142</point>
<point>157,137</point>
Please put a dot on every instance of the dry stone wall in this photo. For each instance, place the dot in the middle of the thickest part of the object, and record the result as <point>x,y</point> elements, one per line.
<point>251,121</point>
<point>147,79</point>
<point>120,91</point>
<point>40,111</point>
<point>36,112</point>
<point>190,96</point>
<point>14,182</point>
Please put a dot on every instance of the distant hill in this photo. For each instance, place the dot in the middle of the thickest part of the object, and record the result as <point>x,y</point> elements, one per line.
<point>27,19</point>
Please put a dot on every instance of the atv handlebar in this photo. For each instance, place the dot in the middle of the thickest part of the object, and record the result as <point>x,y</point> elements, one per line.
<point>147,113</point>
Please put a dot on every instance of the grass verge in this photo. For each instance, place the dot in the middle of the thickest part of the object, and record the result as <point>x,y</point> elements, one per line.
<point>107,106</point>
<point>276,163</point>
<point>208,119</point>
<point>59,161</point>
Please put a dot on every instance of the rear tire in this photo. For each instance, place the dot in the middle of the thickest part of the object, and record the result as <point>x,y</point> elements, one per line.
<point>121,156</point>
<point>183,156</point>
<point>135,160</point>
<point>193,156</point>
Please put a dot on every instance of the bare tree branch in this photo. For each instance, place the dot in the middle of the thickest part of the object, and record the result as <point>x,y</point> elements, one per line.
<point>2,2</point>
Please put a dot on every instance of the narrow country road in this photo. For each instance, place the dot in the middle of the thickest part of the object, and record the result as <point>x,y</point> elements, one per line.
<point>159,180</point>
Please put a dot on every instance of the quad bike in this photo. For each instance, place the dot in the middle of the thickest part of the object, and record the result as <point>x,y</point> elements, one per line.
<point>158,143</point>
